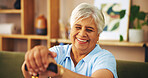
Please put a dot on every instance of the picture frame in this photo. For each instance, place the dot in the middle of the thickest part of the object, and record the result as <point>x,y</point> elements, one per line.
<point>115,27</point>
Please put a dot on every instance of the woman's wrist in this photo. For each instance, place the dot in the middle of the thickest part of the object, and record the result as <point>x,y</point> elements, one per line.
<point>60,70</point>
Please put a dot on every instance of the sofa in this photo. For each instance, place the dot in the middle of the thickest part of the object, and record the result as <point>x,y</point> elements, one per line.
<point>10,66</point>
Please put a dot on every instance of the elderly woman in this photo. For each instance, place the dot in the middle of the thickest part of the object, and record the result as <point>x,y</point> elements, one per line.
<point>82,59</point>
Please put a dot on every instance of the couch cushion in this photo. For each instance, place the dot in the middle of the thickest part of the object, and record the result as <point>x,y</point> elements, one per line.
<point>10,64</point>
<point>129,69</point>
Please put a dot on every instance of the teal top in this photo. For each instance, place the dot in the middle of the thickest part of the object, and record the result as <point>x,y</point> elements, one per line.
<point>97,59</point>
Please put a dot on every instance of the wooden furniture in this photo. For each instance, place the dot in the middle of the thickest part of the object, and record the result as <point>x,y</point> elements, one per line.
<point>28,39</point>
<point>146,52</point>
<point>105,42</point>
<point>13,42</point>
<point>125,69</point>
<point>112,43</point>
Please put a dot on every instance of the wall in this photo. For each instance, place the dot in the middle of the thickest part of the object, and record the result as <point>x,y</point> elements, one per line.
<point>143,7</point>
<point>120,53</point>
<point>66,7</point>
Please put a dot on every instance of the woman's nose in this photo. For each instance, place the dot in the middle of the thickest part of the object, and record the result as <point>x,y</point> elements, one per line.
<point>82,33</point>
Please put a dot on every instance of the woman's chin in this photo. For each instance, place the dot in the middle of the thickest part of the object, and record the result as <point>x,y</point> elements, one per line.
<point>82,46</point>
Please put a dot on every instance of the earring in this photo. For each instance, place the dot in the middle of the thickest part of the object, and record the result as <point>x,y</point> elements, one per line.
<point>98,41</point>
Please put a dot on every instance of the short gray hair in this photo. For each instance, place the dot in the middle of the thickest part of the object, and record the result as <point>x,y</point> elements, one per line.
<point>85,10</point>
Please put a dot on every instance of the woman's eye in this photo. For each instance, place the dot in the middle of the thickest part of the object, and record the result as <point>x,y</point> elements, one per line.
<point>89,30</point>
<point>78,28</point>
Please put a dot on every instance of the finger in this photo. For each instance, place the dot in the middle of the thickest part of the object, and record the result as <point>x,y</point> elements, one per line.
<point>44,57</point>
<point>27,60</point>
<point>37,60</point>
<point>25,73</point>
<point>32,63</point>
<point>51,60</point>
<point>30,71</point>
<point>40,67</point>
<point>47,74</point>
<point>53,54</point>
<point>52,74</point>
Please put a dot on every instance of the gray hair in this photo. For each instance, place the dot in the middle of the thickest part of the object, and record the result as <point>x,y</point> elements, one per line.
<point>85,10</point>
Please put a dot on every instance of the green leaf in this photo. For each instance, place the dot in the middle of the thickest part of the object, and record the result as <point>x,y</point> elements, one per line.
<point>134,12</point>
<point>138,24</point>
<point>115,26</point>
<point>147,20</point>
<point>122,13</point>
<point>121,38</point>
<point>144,23</point>
<point>141,15</point>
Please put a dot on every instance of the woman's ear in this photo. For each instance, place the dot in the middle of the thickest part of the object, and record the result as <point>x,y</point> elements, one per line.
<point>98,36</point>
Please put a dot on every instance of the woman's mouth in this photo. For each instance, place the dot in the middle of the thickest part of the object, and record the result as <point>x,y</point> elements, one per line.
<point>82,41</point>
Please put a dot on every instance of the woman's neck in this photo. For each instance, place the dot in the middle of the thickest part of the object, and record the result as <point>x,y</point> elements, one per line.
<point>76,55</point>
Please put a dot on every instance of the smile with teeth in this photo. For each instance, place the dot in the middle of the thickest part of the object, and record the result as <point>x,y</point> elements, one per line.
<point>82,40</point>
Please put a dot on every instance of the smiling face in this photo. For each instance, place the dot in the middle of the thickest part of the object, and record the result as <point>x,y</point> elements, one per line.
<point>84,35</point>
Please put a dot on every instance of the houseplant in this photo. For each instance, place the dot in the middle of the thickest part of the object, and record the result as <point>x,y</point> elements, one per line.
<point>137,20</point>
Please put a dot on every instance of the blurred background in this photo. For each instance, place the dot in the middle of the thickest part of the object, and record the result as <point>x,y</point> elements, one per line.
<point>20,30</point>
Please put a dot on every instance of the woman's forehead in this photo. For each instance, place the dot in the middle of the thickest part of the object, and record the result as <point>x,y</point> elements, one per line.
<point>87,21</point>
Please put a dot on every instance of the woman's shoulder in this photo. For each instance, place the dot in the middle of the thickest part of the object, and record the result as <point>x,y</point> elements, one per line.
<point>100,53</point>
<point>99,50</point>
<point>60,48</point>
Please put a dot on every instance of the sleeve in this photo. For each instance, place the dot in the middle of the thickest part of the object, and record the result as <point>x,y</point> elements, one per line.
<point>105,61</point>
<point>54,49</point>
<point>60,52</point>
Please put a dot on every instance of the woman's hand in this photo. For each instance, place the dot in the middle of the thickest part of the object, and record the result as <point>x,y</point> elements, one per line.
<point>37,60</point>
